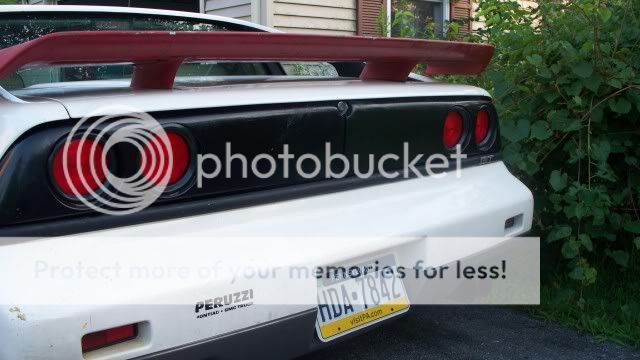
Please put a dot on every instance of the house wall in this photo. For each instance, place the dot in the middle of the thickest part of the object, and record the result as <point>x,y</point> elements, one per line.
<point>239,9</point>
<point>336,17</point>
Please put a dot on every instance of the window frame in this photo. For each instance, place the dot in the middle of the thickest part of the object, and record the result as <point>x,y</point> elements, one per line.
<point>446,12</point>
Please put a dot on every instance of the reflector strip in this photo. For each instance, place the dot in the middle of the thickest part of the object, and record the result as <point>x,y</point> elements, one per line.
<point>108,337</point>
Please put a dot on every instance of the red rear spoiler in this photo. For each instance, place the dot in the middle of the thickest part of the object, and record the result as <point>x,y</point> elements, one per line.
<point>157,55</point>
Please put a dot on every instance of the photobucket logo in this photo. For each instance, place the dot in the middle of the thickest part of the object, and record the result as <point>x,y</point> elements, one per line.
<point>87,161</point>
<point>329,165</point>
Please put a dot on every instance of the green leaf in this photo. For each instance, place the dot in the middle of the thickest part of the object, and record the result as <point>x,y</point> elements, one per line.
<point>579,210</point>
<point>540,131</point>
<point>558,233</point>
<point>578,100</point>
<point>587,47</point>
<point>535,59</point>
<point>515,131</point>
<point>501,89</point>
<point>574,89</point>
<point>583,69</point>
<point>569,52</point>
<point>605,14</point>
<point>570,211</point>
<point>577,274</point>
<point>593,82</point>
<point>558,180</point>
<point>620,105</point>
<point>598,215</point>
<point>560,121</point>
<point>590,275</point>
<point>616,221</point>
<point>585,240</point>
<point>631,160</point>
<point>531,168</point>
<point>615,83</point>
<point>570,249</point>
<point>551,96</point>
<point>636,242</point>
<point>600,150</point>
<point>597,114</point>
<point>513,155</point>
<point>620,257</point>
<point>545,73</point>
<point>633,227</point>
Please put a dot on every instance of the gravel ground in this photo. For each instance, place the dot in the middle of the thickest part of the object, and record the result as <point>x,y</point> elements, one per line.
<point>472,332</point>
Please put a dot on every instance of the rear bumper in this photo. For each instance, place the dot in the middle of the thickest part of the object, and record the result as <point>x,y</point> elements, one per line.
<point>285,338</point>
<point>50,326</point>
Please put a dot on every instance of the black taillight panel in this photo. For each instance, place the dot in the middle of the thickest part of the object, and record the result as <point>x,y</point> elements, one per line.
<point>385,126</point>
<point>377,127</point>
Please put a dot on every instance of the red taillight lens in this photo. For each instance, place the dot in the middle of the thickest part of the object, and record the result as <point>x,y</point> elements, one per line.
<point>84,169</point>
<point>482,126</point>
<point>108,337</point>
<point>453,128</point>
<point>178,148</point>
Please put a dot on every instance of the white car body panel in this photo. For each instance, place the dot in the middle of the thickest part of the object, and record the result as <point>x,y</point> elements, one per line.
<point>18,117</point>
<point>419,207</point>
<point>81,103</point>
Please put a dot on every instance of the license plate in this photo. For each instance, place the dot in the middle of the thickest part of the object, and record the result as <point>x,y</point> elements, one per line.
<point>351,298</point>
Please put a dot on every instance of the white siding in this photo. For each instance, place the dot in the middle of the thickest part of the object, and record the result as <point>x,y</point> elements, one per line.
<point>338,17</point>
<point>41,2</point>
<point>239,9</point>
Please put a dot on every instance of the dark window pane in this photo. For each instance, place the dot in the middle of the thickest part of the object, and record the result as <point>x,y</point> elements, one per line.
<point>416,18</point>
<point>180,5</point>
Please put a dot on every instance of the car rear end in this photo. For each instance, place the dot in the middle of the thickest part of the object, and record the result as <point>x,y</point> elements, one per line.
<point>169,280</point>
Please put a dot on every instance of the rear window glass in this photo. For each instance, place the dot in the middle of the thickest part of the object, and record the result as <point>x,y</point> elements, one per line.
<point>319,69</point>
<point>20,27</point>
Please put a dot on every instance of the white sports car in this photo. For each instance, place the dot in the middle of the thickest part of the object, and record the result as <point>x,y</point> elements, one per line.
<point>116,127</point>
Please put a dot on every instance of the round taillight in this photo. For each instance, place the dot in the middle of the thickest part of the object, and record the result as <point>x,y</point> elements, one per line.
<point>82,160</point>
<point>482,126</point>
<point>453,128</point>
<point>157,164</point>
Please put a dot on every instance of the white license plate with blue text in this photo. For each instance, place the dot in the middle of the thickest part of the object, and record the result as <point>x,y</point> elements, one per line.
<point>353,297</point>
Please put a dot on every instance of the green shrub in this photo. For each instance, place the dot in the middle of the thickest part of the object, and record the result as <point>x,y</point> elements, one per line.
<point>566,82</point>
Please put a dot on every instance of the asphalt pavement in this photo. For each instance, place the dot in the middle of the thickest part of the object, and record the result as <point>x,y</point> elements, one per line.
<point>472,332</point>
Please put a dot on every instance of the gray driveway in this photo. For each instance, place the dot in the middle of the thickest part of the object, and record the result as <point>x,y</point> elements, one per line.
<point>472,332</point>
